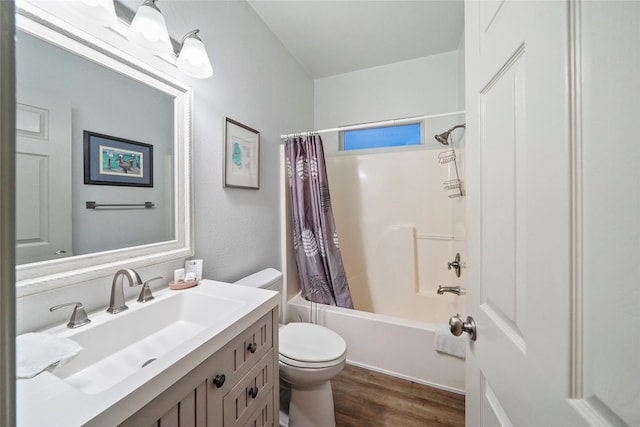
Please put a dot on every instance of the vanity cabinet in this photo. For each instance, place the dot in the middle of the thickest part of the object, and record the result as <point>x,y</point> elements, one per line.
<point>235,386</point>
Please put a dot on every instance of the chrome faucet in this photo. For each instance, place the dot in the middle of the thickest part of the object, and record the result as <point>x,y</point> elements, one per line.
<point>116,305</point>
<point>453,289</point>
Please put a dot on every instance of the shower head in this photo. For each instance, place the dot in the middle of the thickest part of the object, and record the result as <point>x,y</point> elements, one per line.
<point>443,138</point>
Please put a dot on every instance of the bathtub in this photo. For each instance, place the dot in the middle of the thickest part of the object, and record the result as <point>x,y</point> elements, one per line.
<point>385,344</point>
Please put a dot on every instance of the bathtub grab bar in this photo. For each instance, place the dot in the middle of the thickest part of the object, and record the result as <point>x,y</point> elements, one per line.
<point>433,237</point>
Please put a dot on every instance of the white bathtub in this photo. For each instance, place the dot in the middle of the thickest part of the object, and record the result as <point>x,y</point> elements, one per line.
<point>393,346</point>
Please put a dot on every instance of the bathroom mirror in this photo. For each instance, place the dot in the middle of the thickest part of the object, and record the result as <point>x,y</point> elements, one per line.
<point>72,86</point>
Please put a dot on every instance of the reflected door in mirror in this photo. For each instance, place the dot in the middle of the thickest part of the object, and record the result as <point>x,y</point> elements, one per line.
<point>43,178</point>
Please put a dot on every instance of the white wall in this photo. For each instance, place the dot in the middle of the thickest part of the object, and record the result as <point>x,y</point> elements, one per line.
<point>256,82</point>
<point>461,92</point>
<point>422,86</point>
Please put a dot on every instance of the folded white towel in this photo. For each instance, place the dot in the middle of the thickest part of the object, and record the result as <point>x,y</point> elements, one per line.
<point>446,342</point>
<point>37,351</point>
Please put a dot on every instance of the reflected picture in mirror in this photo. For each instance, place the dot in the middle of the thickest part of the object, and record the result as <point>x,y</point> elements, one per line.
<point>109,160</point>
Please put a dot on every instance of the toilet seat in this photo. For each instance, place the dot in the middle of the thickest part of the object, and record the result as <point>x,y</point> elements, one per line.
<point>311,365</point>
<point>307,345</point>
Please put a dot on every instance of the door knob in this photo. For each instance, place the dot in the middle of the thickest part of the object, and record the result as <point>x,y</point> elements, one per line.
<point>458,326</point>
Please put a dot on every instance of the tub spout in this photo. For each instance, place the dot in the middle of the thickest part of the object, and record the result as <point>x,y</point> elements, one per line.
<point>453,289</point>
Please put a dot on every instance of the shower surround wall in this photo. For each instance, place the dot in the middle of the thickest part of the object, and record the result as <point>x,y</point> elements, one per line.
<point>397,232</point>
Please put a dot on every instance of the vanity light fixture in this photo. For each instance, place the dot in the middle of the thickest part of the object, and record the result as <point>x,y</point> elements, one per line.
<point>192,58</point>
<point>102,12</point>
<point>148,29</point>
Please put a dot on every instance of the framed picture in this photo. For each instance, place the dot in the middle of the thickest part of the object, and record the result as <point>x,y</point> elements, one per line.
<point>116,161</point>
<point>241,156</point>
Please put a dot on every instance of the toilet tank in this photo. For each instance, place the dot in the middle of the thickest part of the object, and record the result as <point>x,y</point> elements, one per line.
<point>269,278</point>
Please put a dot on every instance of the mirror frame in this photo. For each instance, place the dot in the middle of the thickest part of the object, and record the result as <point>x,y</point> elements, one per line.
<point>47,275</point>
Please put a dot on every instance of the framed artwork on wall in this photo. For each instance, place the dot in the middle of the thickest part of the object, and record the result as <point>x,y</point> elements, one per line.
<point>109,160</point>
<point>241,156</point>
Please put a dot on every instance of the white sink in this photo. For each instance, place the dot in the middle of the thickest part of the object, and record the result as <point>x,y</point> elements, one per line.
<point>119,345</point>
<point>107,383</point>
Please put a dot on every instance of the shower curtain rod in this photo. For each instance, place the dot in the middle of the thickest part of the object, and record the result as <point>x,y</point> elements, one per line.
<point>371,124</point>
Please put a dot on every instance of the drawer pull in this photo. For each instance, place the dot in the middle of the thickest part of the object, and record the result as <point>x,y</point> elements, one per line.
<point>252,347</point>
<point>218,380</point>
<point>253,392</point>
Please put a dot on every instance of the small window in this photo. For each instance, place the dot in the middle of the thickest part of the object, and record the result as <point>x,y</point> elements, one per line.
<point>388,136</point>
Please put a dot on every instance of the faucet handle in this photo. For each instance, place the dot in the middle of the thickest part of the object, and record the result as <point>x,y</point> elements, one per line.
<point>78,317</point>
<point>455,264</point>
<point>145,293</point>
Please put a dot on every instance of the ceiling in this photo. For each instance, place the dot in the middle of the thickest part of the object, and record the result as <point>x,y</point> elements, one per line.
<point>332,37</point>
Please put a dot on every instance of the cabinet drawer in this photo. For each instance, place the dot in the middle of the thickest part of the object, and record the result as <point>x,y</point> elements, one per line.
<point>244,351</point>
<point>250,393</point>
<point>263,416</point>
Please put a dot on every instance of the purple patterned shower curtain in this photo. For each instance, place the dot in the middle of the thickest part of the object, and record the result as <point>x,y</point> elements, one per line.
<point>315,239</point>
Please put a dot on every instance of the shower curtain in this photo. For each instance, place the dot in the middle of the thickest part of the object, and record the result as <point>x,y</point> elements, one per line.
<point>315,239</point>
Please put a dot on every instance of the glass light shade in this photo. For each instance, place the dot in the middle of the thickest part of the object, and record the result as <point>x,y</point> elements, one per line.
<point>148,30</point>
<point>101,12</point>
<point>193,59</point>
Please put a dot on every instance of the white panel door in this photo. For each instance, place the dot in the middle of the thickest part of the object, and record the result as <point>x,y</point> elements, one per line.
<point>43,178</point>
<point>557,344</point>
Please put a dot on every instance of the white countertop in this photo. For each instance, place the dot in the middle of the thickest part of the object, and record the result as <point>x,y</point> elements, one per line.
<point>47,401</point>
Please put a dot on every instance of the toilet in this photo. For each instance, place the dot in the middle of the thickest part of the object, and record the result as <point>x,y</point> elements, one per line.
<point>310,356</point>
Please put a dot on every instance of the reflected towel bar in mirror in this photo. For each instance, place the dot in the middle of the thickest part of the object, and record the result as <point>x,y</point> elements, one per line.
<point>94,205</point>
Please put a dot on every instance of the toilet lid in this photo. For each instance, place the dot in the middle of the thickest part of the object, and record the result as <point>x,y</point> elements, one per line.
<point>310,343</point>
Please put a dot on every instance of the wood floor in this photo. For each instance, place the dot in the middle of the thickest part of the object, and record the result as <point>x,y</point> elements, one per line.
<point>363,398</point>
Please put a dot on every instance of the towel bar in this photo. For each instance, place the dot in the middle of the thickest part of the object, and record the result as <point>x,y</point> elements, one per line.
<point>94,205</point>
